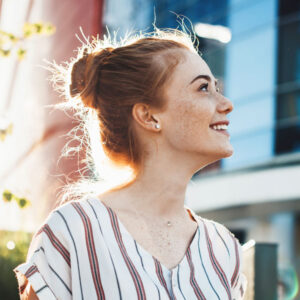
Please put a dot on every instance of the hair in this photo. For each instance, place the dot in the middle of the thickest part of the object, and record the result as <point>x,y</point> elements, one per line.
<point>102,84</point>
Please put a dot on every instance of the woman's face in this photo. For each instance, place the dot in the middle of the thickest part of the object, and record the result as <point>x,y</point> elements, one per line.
<point>193,104</point>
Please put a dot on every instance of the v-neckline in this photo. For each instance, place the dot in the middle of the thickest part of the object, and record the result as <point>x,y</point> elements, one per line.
<point>124,229</point>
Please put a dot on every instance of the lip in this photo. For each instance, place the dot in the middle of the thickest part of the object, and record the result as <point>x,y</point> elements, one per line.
<point>225,132</point>
<point>220,123</point>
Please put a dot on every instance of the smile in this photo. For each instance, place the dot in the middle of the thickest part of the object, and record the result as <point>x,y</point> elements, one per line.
<point>223,131</point>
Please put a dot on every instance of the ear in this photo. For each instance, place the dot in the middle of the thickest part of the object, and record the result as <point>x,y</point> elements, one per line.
<point>144,116</point>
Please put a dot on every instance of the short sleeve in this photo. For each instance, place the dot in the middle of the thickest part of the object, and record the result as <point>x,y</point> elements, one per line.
<point>47,267</point>
<point>238,279</point>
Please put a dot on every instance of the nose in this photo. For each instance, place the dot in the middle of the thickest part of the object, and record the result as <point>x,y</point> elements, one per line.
<point>224,104</point>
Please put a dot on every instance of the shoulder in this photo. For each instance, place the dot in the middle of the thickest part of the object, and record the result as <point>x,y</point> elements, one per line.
<point>224,241</point>
<point>64,224</point>
<point>218,231</point>
<point>74,210</point>
<point>53,250</point>
<point>71,212</point>
<point>214,228</point>
<point>237,279</point>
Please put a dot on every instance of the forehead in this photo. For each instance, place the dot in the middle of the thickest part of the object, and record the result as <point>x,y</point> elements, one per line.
<point>191,66</point>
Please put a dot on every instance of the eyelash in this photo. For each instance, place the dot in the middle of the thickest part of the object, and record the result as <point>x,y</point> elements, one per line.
<point>203,85</point>
<point>206,85</point>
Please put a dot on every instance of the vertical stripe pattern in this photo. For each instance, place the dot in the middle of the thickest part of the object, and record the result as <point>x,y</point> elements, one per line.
<point>138,252</point>
<point>216,265</point>
<point>134,273</point>
<point>178,281</point>
<point>194,284</point>
<point>31,271</point>
<point>204,268</point>
<point>237,264</point>
<point>76,252</point>
<point>221,239</point>
<point>160,276</point>
<point>90,245</point>
<point>116,276</point>
<point>83,251</point>
<point>56,243</point>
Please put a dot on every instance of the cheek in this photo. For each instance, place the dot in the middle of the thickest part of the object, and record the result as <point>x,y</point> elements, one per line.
<point>190,122</point>
<point>196,117</point>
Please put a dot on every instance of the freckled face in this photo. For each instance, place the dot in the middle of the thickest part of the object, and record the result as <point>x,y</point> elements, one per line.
<point>192,108</point>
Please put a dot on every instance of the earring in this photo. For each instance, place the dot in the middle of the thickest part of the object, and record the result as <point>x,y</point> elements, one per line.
<point>157,126</point>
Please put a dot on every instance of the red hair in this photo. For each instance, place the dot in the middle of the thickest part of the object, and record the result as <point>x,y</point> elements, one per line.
<point>110,78</point>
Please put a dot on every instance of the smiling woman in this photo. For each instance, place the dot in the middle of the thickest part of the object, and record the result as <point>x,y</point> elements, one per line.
<point>160,114</point>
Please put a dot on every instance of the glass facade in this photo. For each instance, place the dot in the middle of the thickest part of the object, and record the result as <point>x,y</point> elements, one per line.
<point>212,12</point>
<point>288,78</point>
<point>259,67</point>
<point>250,79</point>
<point>208,12</point>
<point>213,51</point>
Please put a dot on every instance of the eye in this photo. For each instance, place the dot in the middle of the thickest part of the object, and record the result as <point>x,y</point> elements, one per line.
<point>203,86</point>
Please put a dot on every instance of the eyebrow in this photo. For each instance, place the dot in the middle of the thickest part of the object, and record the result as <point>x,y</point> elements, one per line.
<point>207,77</point>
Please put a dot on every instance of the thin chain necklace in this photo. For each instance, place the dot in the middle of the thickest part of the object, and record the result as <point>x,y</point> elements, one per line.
<point>169,224</point>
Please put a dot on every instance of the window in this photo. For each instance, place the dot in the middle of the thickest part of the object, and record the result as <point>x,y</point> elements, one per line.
<point>288,78</point>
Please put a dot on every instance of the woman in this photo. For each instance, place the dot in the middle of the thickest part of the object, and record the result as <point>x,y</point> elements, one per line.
<point>160,113</point>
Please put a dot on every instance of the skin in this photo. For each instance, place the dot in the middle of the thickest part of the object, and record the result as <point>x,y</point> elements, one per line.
<point>183,145</point>
<point>29,293</point>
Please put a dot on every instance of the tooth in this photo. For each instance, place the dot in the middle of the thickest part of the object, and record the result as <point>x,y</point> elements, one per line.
<point>220,127</point>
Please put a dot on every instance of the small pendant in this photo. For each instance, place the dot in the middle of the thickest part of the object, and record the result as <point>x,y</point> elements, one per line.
<point>169,223</point>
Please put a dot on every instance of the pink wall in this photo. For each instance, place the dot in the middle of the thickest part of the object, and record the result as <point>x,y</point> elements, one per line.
<point>29,158</point>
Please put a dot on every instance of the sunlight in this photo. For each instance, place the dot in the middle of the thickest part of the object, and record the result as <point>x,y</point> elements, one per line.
<point>216,32</point>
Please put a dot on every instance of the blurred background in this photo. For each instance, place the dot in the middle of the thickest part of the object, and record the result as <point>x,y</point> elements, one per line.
<point>252,47</point>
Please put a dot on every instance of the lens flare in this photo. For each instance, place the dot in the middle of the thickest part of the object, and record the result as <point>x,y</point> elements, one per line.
<point>288,278</point>
<point>10,245</point>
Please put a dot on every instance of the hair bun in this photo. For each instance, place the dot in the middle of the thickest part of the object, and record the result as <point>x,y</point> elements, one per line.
<point>78,74</point>
<point>83,79</point>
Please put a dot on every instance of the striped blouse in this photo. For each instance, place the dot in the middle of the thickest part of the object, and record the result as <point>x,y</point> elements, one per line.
<point>83,251</point>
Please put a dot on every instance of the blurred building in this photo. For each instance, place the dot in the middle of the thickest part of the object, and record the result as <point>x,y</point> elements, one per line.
<point>256,57</point>
<point>31,165</point>
<point>252,47</point>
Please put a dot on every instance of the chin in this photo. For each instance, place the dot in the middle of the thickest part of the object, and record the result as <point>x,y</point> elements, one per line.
<point>224,154</point>
<point>228,153</point>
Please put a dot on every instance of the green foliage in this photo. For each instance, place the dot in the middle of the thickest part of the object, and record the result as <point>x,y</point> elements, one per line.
<point>10,258</point>
<point>6,128</point>
<point>21,53</point>
<point>9,42</point>
<point>30,29</point>
<point>8,196</point>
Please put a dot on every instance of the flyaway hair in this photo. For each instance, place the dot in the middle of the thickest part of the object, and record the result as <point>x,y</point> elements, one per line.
<point>100,86</point>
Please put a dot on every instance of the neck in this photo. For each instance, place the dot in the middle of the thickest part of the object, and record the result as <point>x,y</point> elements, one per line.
<point>159,190</point>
